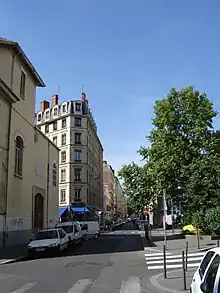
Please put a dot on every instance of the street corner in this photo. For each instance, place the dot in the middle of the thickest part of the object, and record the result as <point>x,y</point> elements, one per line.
<point>174,283</point>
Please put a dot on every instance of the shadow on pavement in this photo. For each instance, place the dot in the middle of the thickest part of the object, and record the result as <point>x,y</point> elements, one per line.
<point>169,237</point>
<point>111,243</point>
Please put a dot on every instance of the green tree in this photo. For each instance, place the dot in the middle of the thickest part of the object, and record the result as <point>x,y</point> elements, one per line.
<point>136,186</point>
<point>182,131</point>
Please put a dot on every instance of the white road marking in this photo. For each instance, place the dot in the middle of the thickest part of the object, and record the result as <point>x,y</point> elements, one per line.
<point>151,249</point>
<point>173,260</point>
<point>24,289</point>
<point>132,285</point>
<point>147,256</point>
<point>4,261</point>
<point>80,286</point>
<point>156,254</point>
<point>173,266</point>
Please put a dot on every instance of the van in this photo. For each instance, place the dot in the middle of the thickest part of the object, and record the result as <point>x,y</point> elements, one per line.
<point>93,229</point>
<point>73,230</point>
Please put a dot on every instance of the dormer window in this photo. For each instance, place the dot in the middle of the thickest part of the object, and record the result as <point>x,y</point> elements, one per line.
<point>47,114</point>
<point>64,109</point>
<point>55,112</point>
<point>39,117</point>
<point>78,107</point>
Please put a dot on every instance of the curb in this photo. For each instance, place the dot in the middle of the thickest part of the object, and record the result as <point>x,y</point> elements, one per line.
<point>155,283</point>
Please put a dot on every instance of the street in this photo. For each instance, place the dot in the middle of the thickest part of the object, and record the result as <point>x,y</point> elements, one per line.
<point>113,263</point>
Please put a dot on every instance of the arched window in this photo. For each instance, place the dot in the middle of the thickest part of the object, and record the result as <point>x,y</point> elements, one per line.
<point>19,148</point>
<point>54,174</point>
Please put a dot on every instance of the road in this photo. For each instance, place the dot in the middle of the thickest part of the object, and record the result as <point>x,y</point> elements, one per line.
<point>114,263</point>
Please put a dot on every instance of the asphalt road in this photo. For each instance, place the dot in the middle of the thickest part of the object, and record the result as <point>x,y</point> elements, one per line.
<point>114,263</point>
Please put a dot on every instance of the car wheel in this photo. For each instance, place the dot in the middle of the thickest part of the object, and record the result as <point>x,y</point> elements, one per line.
<point>96,236</point>
<point>186,232</point>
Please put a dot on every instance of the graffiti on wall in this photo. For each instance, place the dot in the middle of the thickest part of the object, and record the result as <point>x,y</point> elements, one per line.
<point>16,222</point>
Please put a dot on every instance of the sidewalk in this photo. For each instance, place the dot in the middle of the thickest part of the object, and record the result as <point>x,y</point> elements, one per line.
<point>13,253</point>
<point>174,282</point>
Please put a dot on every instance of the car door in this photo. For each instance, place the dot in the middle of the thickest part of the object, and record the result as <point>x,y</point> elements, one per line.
<point>210,279</point>
<point>65,237</point>
<point>76,232</point>
<point>199,274</point>
<point>62,239</point>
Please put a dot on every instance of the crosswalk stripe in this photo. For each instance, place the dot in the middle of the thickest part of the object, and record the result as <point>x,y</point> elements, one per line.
<point>176,266</point>
<point>171,257</point>
<point>174,260</point>
<point>132,285</point>
<point>80,286</point>
<point>156,254</point>
<point>25,288</point>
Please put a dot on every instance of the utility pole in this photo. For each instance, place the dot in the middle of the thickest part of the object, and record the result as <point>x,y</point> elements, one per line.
<point>164,217</point>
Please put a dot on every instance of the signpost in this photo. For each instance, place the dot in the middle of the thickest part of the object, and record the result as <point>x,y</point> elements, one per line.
<point>164,217</point>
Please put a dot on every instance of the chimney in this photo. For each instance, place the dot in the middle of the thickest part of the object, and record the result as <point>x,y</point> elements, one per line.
<point>84,100</point>
<point>44,105</point>
<point>54,100</point>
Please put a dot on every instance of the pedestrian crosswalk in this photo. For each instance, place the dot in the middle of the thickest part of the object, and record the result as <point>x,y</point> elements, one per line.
<point>130,285</point>
<point>155,261</point>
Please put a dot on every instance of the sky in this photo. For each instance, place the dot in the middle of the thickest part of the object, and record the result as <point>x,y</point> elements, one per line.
<point>126,53</point>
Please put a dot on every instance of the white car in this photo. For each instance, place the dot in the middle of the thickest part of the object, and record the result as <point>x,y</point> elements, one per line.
<point>50,241</point>
<point>207,277</point>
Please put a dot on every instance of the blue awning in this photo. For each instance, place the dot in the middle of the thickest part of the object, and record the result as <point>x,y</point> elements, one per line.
<point>62,210</point>
<point>79,209</point>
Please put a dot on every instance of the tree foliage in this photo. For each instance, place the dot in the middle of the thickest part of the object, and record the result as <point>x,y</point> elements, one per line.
<point>136,186</point>
<point>183,157</point>
<point>182,130</point>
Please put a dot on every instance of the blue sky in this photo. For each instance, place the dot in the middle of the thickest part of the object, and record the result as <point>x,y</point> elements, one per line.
<point>127,54</point>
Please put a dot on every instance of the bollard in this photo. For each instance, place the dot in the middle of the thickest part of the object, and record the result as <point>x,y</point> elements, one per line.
<point>184,271</point>
<point>198,237</point>
<point>218,243</point>
<point>186,254</point>
<point>164,262</point>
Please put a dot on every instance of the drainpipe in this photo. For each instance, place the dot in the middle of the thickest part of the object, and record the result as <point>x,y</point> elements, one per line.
<point>48,181</point>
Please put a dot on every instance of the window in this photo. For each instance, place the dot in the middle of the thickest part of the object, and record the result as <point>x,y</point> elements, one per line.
<point>77,174</point>
<point>75,229</point>
<point>55,126</point>
<point>61,234</point>
<point>77,194</point>
<point>78,121</point>
<point>63,195</point>
<point>63,156</point>
<point>63,175</point>
<point>63,139</point>
<point>78,107</point>
<point>77,155</point>
<point>211,274</point>
<point>63,123</point>
<point>46,128</point>
<point>64,108</point>
<point>54,174</point>
<point>23,84</point>
<point>47,114</point>
<point>77,138</point>
<point>39,117</point>
<point>55,112</point>
<point>55,140</point>
<point>19,148</point>
<point>205,263</point>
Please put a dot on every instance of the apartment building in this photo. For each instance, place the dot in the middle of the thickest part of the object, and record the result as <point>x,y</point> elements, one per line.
<point>28,159</point>
<point>109,190</point>
<point>71,126</point>
<point>120,200</point>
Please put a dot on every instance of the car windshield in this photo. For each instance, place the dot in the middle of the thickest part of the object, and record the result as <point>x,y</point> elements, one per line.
<point>67,229</point>
<point>46,235</point>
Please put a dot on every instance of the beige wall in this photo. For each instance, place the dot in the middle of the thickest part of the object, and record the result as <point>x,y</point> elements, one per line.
<point>37,154</point>
<point>10,73</point>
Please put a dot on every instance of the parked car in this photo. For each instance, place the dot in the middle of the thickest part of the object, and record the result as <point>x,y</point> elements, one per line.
<point>207,277</point>
<point>50,241</point>
<point>73,231</point>
<point>189,229</point>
